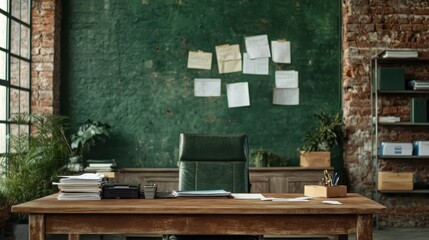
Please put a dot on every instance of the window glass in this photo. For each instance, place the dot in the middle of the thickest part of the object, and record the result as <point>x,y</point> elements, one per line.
<point>14,71</point>
<point>3,28</point>
<point>18,130</point>
<point>2,138</point>
<point>2,65</point>
<point>16,8</point>
<point>24,102</point>
<point>3,113</point>
<point>24,80</point>
<point>15,38</point>
<point>3,5</point>
<point>19,101</point>
<point>25,11</point>
<point>25,41</point>
<point>14,101</point>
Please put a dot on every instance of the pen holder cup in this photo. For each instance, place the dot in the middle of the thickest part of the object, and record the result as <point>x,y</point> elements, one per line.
<point>149,191</point>
<point>326,192</point>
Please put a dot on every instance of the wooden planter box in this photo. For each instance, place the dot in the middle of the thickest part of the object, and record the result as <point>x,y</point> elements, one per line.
<point>315,159</point>
<point>326,192</point>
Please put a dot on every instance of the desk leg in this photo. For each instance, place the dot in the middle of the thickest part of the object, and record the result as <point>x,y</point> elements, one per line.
<point>74,237</point>
<point>364,227</point>
<point>36,227</point>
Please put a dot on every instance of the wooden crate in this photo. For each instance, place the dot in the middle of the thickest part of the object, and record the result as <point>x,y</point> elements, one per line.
<point>395,181</point>
<point>327,192</point>
<point>315,159</point>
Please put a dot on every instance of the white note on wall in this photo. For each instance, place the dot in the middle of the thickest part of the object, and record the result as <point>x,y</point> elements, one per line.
<point>228,58</point>
<point>257,66</point>
<point>200,60</point>
<point>286,79</point>
<point>286,96</point>
<point>238,94</point>
<point>207,87</point>
<point>257,46</point>
<point>281,51</point>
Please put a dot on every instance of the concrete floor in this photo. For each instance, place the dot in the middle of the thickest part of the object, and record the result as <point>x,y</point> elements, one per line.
<point>399,234</point>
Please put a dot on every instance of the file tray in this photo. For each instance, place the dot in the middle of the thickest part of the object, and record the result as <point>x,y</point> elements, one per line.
<point>121,191</point>
<point>326,192</point>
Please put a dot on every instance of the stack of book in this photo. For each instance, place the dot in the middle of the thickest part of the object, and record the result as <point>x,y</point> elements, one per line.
<point>101,166</point>
<point>399,53</point>
<point>87,186</point>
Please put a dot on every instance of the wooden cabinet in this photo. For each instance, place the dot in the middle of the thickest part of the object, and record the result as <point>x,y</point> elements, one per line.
<point>263,180</point>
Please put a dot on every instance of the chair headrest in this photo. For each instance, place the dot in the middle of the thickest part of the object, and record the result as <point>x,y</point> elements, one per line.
<point>203,147</point>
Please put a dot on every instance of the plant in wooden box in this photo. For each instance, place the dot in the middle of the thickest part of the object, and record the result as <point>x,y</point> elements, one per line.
<point>35,160</point>
<point>86,136</point>
<point>320,140</point>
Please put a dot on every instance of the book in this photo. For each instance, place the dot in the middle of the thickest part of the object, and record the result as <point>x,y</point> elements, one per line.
<point>398,53</point>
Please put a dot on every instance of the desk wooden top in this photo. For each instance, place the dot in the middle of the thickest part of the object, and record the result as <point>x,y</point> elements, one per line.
<point>352,204</point>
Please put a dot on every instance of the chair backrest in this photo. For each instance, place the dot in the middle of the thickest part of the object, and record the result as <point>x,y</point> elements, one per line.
<point>208,162</point>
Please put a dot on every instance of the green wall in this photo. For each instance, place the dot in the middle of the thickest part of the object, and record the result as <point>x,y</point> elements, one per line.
<point>124,63</point>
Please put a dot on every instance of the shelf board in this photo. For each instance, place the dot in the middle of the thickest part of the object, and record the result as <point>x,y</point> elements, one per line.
<point>404,124</point>
<point>401,157</point>
<point>402,60</point>
<point>421,191</point>
<point>404,92</point>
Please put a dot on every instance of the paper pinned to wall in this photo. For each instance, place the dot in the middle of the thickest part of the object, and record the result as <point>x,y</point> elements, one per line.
<point>238,94</point>
<point>257,46</point>
<point>286,79</point>
<point>281,51</point>
<point>228,58</point>
<point>207,87</point>
<point>255,66</point>
<point>200,60</point>
<point>286,96</point>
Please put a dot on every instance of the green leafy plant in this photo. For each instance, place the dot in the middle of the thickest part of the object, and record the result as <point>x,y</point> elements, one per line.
<point>326,135</point>
<point>34,160</point>
<point>87,135</point>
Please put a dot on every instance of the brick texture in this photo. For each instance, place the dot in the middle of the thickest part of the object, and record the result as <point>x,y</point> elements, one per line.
<point>369,27</point>
<point>46,67</point>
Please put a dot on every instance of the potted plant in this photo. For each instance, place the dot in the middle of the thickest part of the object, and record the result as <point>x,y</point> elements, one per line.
<point>34,161</point>
<point>86,136</point>
<point>260,157</point>
<point>264,158</point>
<point>319,141</point>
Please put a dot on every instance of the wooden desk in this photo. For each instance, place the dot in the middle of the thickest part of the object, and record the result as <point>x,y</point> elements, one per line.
<point>200,216</point>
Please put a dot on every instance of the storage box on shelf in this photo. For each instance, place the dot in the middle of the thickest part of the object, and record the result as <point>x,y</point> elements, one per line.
<point>395,181</point>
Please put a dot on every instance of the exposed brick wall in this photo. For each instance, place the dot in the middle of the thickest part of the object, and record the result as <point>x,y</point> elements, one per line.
<point>45,70</point>
<point>368,28</point>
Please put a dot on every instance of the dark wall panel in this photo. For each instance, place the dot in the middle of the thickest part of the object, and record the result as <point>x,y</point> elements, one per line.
<point>124,63</point>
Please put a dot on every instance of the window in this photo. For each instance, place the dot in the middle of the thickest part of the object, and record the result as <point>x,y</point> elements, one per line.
<point>15,50</point>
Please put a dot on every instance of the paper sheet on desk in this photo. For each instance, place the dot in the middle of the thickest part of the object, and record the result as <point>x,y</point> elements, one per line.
<point>247,196</point>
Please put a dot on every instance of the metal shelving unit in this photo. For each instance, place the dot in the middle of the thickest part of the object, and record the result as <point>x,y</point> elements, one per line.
<point>376,63</point>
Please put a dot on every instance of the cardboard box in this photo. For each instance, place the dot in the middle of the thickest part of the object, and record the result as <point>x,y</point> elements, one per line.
<point>395,181</point>
<point>327,192</point>
<point>396,149</point>
<point>315,159</point>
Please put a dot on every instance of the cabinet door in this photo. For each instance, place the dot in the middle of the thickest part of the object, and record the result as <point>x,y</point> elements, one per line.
<point>296,184</point>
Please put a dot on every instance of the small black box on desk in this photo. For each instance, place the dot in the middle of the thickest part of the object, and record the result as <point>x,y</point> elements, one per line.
<point>123,191</point>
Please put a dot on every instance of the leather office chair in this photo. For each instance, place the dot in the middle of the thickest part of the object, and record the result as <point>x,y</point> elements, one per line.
<point>208,162</point>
